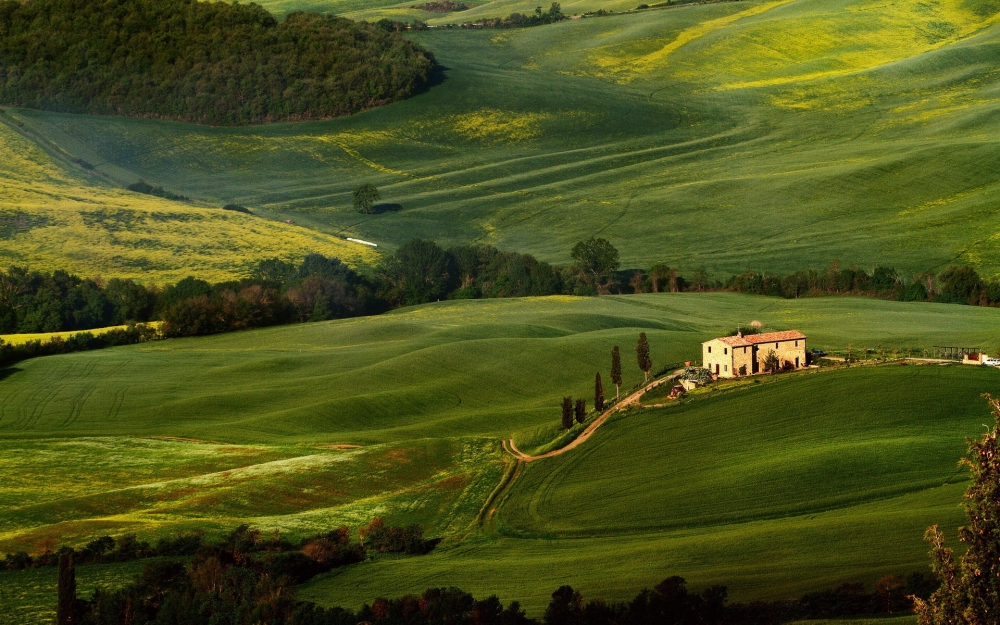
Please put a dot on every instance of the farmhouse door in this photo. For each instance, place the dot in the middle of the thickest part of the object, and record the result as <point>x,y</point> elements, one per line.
<point>753,359</point>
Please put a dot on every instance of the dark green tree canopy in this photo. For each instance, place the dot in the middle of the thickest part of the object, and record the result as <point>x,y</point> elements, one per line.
<point>417,273</point>
<point>217,63</point>
<point>596,259</point>
<point>365,197</point>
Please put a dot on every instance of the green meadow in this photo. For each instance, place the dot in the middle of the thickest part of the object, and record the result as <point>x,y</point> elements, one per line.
<point>816,478</point>
<point>774,135</point>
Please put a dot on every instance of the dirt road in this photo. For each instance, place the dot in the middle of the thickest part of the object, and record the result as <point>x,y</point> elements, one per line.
<point>631,400</point>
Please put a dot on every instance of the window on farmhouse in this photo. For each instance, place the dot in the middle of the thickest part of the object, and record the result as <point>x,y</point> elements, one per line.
<point>709,349</point>
<point>796,343</point>
<point>775,346</point>
<point>725,350</point>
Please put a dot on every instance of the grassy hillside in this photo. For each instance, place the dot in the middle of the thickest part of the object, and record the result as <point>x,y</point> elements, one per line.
<point>208,432</point>
<point>776,489</point>
<point>775,135</point>
<point>55,216</point>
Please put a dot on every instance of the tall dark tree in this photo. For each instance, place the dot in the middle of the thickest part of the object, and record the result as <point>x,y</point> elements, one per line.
<point>970,588</point>
<point>567,412</point>
<point>580,410</point>
<point>66,606</point>
<point>642,355</point>
<point>598,393</point>
<point>616,371</point>
<point>365,197</point>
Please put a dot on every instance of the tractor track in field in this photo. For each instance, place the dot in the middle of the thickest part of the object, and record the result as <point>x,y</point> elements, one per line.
<point>628,402</point>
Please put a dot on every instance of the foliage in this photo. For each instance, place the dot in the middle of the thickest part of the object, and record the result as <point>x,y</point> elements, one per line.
<point>567,412</point>
<point>596,259</point>
<point>144,187</point>
<point>441,6</point>
<point>616,369</point>
<point>209,62</point>
<point>365,197</point>
<point>771,362</point>
<point>970,588</point>
<point>598,393</point>
<point>696,374</point>
<point>520,20</point>
<point>77,342</point>
<point>580,410</point>
<point>642,354</point>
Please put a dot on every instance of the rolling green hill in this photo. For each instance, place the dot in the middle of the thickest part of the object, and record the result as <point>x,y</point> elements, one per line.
<point>55,216</point>
<point>775,135</point>
<point>815,478</point>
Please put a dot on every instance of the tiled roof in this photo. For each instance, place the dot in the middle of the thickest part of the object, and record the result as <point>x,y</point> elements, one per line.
<point>769,337</point>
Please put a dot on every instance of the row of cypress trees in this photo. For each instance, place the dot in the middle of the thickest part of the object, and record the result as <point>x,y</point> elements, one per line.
<point>578,411</point>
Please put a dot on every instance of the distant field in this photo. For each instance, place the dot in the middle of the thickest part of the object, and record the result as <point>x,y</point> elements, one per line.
<point>773,135</point>
<point>817,478</point>
<point>54,216</point>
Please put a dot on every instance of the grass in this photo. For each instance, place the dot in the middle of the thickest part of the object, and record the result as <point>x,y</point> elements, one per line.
<point>29,596</point>
<point>773,135</point>
<point>805,494</point>
<point>55,216</point>
<point>209,432</point>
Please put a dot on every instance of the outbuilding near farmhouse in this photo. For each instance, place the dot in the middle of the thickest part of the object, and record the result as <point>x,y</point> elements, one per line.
<point>734,356</point>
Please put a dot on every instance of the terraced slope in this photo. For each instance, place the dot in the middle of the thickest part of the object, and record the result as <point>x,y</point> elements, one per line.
<point>776,135</point>
<point>55,216</point>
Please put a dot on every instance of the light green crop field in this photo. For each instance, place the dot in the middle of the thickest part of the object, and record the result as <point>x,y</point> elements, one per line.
<point>814,478</point>
<point>53,215</point>
<point>773,135</point>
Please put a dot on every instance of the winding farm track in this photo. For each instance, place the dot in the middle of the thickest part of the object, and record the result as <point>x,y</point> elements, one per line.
<point>629,401</point>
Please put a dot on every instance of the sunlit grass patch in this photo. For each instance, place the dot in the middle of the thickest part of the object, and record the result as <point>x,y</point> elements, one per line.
<point>492,125</point>
<point>52,218</point>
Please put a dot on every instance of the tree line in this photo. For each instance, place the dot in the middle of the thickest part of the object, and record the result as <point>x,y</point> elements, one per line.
<point>333,548</point>
<point>577,412</point>
<point>216,63</point>
<point>276,291</point>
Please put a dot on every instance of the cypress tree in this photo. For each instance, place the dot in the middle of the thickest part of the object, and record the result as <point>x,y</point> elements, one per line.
<point>970,588</point>
<point>567,412</point>
<point>580,412</point>
<point>642,355</point>
<point>66,591</point>
<point>616,370</point>
<point>598,393</point>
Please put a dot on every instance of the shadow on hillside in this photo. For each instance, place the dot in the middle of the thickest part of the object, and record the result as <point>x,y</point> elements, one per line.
<point>378,209</point>
<point>437,76</point>
<point>9,371</point>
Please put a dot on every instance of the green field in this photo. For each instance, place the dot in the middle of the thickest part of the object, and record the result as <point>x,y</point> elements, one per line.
<point>816,478</point>
<point>774,135</point>
<point>56,215</point>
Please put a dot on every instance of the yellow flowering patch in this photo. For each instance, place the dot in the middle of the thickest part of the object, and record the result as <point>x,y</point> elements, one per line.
<point>53,218</point>
<point>496,126</point>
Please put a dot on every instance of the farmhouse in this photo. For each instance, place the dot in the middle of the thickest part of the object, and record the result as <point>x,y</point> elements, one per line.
<point>733,356</point>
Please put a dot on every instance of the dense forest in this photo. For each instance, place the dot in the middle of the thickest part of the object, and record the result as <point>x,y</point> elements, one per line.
<point>216,63</point>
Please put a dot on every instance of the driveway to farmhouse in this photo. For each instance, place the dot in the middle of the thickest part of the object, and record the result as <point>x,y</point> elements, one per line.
<point>629,401</point>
